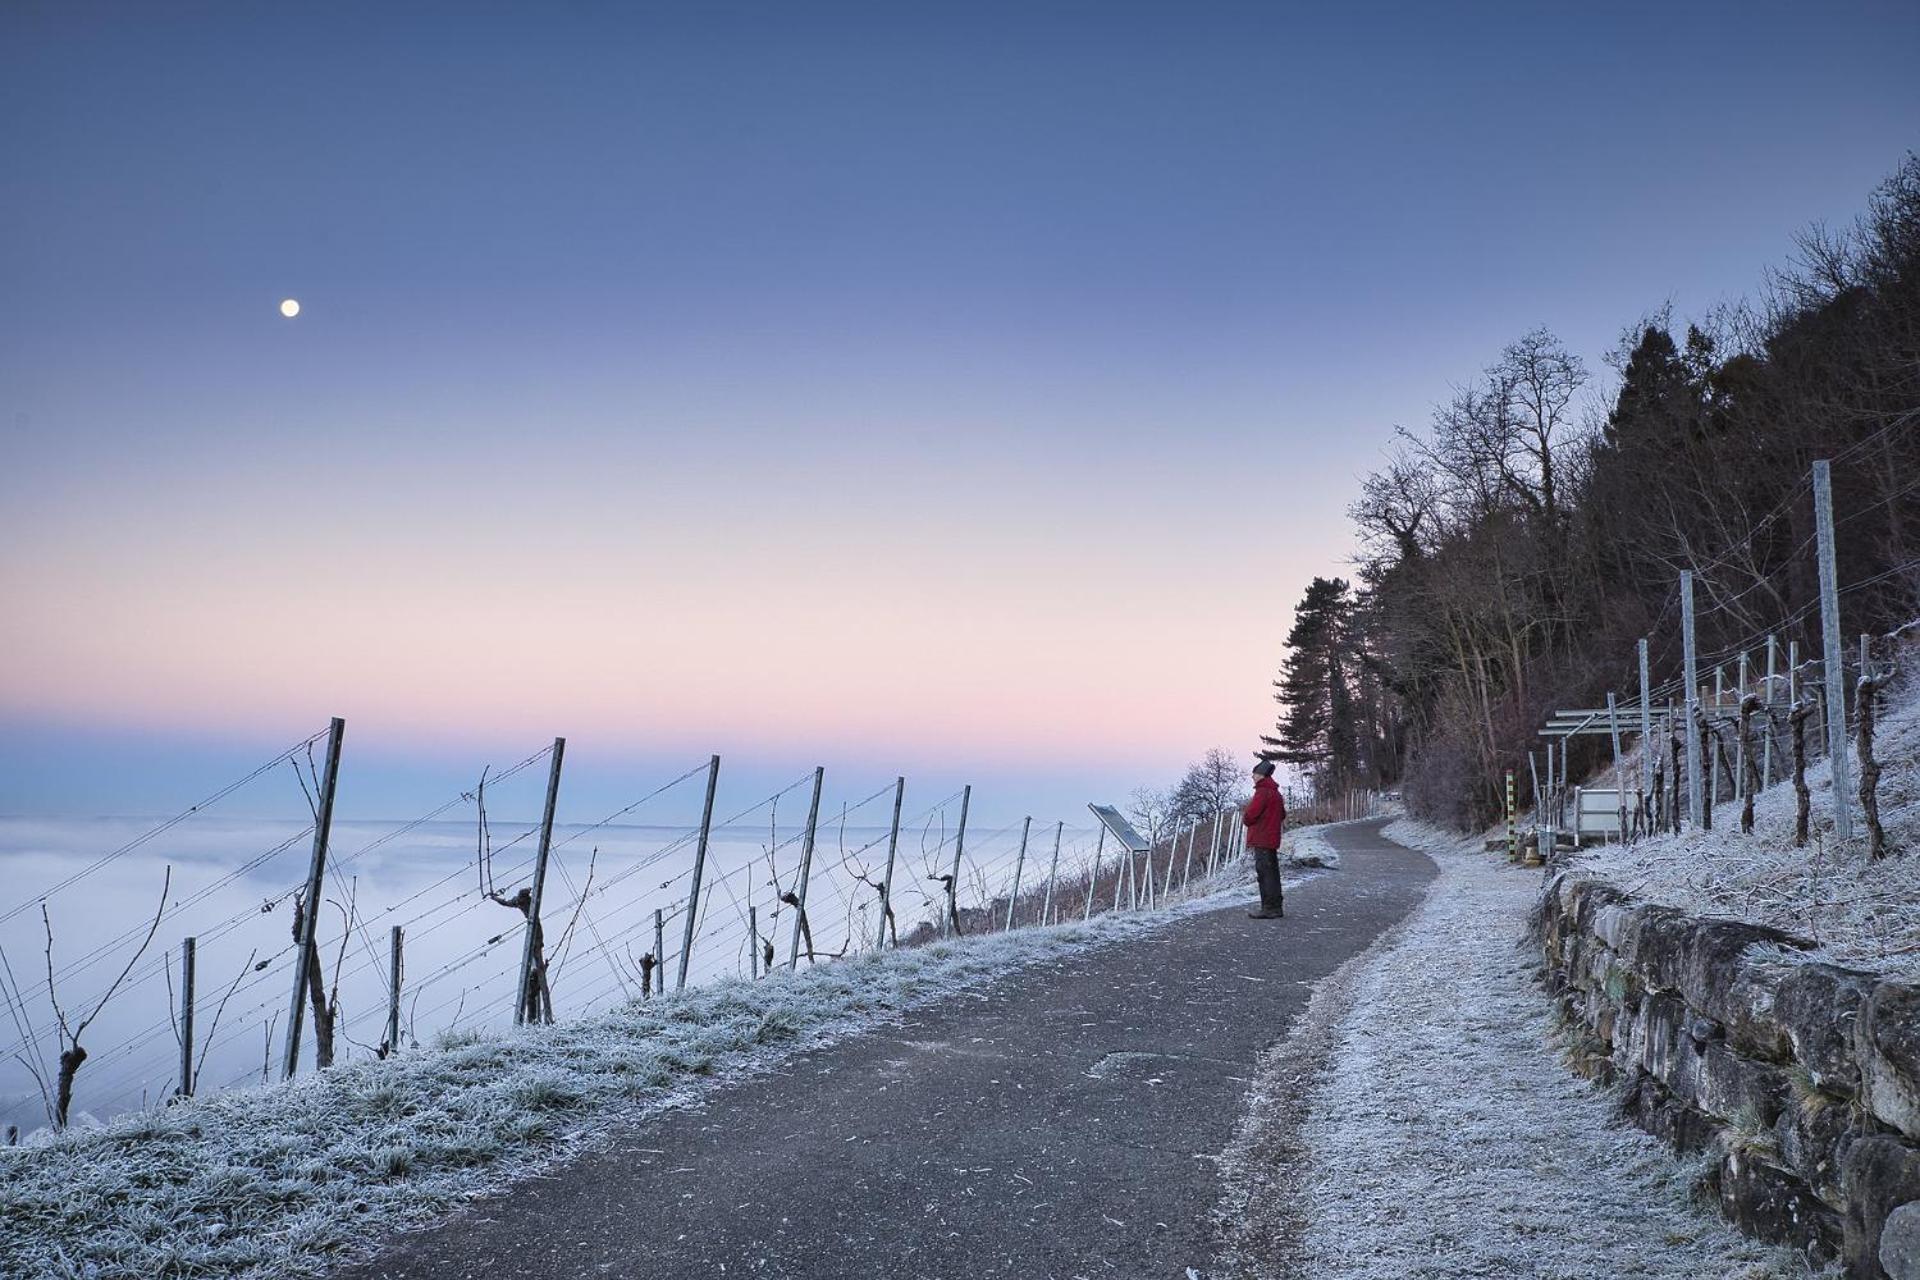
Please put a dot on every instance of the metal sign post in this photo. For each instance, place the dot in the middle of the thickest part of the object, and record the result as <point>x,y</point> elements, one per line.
<point>1132,843</point>
<point>1833,661</point>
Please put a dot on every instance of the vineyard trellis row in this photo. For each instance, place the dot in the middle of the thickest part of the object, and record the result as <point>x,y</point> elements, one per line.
<point>1687,766</point>
<point>817,886</point>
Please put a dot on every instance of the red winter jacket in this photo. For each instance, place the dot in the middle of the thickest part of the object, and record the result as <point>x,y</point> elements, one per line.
<point>1265,815</point>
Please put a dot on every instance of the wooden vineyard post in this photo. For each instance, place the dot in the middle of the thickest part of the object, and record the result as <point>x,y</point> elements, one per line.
<point>395,968</point>
<point>1719,693</point>
<point>699,868</point>
<point>1676,735</point>
<point>1173,855</point>
<point>1053,872</point>
<point>306,951</point>
<point>185,1088</point>
<point>893,850</point>
<point>951,925</point>
<point>1766,743</point>
<point>1690,681</point>
<point>1619,770</point>
<point>1740,747</point>
<point>1647,751</point>
<point>659,951</point>
<point>1749,703</point>
<point>536,1002</point>
<point>1093,877</point>
<point>1019,864</point>
<point>800,925</point>
<point>1834,662</point>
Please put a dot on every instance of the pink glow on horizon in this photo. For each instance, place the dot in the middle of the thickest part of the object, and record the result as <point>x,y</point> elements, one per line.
<point>1002,631</point>
<point>950,584</point>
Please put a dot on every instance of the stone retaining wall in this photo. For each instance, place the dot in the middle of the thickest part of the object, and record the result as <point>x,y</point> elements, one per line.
<point>1801,1079</point>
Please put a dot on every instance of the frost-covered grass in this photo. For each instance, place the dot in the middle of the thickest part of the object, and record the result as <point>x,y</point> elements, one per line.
<point>1309,847</point>
<point>285,1180</point>
<point>1447,1141</point>
<point>1859,913</point>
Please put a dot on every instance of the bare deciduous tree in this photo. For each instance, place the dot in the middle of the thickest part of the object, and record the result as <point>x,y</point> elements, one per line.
<point>1213,784</point>
<point>1150,810</point>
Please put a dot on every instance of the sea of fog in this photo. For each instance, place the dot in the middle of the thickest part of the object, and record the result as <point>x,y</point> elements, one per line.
<point>230,886</point>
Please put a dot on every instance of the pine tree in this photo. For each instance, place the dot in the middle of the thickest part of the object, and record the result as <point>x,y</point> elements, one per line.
<point>1316,729</point>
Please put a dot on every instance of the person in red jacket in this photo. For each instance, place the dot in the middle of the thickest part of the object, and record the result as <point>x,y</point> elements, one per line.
<point>1266,817</point>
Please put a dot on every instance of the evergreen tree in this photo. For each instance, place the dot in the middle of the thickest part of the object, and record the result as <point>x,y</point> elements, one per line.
<point>1316,729</point>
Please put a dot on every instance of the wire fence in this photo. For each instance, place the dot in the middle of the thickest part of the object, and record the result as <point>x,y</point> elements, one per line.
<point>1731,721</point>
<point>168,965</point>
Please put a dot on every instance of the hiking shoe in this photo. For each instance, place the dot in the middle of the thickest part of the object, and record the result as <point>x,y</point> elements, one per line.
<point>1265,913</point>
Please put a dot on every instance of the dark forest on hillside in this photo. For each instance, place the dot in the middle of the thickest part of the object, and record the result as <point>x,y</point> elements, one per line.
<point>1512,554</point>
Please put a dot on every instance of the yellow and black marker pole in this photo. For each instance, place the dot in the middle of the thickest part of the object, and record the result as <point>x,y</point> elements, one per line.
<point>1513,833</point>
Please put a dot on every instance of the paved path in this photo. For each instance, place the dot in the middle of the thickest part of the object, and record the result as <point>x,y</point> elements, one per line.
<point>1062,1123</point>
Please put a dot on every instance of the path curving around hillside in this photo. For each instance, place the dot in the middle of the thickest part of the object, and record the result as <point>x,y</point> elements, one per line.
<point>1064,1122</point>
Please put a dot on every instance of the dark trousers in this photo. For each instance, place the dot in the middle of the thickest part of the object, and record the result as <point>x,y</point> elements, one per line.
<point>1266,866</point>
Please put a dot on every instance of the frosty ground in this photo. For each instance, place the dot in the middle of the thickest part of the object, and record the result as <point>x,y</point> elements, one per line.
<point>1858,913</point>
<point>276,1181</point>
<point>1065,1122</point>
<point>1441,1137</point>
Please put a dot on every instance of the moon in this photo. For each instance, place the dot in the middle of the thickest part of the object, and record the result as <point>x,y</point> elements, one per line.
<point>290,308</point>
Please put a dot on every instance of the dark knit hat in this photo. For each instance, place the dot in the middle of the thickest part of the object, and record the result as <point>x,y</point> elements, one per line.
<point>1264,769</point>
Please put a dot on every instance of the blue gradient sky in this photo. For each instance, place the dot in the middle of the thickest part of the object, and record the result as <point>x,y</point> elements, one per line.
<point>966,390</point>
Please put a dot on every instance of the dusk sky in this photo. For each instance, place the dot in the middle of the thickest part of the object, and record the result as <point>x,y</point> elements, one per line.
<point>963,390</point>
